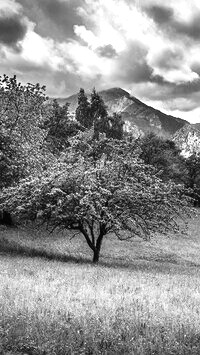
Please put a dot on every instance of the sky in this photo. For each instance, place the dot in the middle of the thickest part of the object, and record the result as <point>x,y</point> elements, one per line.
<point>150,48</point>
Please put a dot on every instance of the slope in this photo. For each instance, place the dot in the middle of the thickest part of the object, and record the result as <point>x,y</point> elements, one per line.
<point>136,114</point>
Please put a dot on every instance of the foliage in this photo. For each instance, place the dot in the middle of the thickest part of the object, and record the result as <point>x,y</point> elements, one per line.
<point>193,176</point>
<point>116,193</point>
<point>94,113</point>
<point>99,114</point>
<point>11,167</point>
<point>59,127</point>
<point>83,112</point>
<point>21,113</point>
<point>115,126</point>
<point>165,156</point>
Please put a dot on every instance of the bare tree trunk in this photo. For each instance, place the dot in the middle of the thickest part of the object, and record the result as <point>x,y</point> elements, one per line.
<point>91,242</point>
<point>96,256</point>
<point>98,248</point>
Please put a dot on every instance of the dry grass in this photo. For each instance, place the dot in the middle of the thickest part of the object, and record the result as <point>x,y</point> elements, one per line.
<point>143,298</point>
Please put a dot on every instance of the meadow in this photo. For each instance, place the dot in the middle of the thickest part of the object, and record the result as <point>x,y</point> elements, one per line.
<point>142,298</point>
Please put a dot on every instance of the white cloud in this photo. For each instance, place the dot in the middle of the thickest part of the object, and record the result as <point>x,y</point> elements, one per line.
<point>87,36</point>
<point>40,51</point>
<point>9,7</point>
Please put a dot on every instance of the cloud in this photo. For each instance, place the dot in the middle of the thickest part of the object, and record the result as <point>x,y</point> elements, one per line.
<point>160,14</point>
<point>170,58</point>
<point>12,30</point>
<point>53,18</point>
<point>131,65</point>
<point>107,51</point>
<point>13,25</point>
<point>167,18</point>
<point>150,49</point>
<point>190,28</point>
<point>172,62</point>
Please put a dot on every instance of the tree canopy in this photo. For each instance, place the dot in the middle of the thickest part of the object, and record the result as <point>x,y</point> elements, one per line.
<point>83,111</point>
<point>118,194</point>
<point>59,127</point>
<point>165,156</point>
<point>94,113</point>
<point>21,112</point>
<point>193,177</point>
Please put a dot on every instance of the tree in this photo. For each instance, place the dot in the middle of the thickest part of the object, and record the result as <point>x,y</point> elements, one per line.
<point>99,114</point>
<point>119,194</point>
<point>59,127</point>
<point>22,110</point>
<point>165,156</point>
<point>83,112</point>
<point>193,176</point>
<point>116,124</point>
<point>95,113</point>
<point>11,168</point>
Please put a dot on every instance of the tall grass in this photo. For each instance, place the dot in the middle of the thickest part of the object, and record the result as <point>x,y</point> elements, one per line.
<point>146,304</point>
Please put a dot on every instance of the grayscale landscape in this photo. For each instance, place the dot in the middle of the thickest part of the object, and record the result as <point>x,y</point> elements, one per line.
<point>99,177</point>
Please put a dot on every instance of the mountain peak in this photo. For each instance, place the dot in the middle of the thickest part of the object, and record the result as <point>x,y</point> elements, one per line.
<point>115,92</point>
<point>136,114</point>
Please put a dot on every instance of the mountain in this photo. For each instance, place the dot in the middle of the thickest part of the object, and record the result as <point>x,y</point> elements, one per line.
<point>138,116</point>
<point>188,139</point>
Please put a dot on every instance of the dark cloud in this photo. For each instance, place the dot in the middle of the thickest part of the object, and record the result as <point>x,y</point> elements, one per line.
<point>132,66</point>
<point>12,30</point>
<point>169,59</point>
<point>196,67</point>
<point>107,51</point>
<point>183,97</point>
<point>165,17</point>
<point>172,90</point>
<point>53,18</point>
<point>160,15</point>
<point>186,89</point>
<point>191,29</point>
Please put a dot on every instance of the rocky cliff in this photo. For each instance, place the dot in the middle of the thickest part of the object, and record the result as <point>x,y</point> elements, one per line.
<point>188,139</point>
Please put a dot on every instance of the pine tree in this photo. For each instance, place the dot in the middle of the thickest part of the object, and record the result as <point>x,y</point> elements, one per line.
<point>99,114</point>
<point>83,115</point>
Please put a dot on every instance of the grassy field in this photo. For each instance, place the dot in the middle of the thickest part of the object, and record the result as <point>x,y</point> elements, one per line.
<point>142,298</point>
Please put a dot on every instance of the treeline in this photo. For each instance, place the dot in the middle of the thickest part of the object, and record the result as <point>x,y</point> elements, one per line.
<point>84,173</point>
<point>166,157</point>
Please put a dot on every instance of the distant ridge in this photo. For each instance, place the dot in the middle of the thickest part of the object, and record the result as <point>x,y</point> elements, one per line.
<point>138,116</point>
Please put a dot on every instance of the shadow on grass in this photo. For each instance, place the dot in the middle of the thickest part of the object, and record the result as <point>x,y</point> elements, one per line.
<point>162,265</point>
<point>13,248</point>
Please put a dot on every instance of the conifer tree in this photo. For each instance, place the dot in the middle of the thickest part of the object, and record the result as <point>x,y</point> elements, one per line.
<point>83,115</point>
<point>99,114</point>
